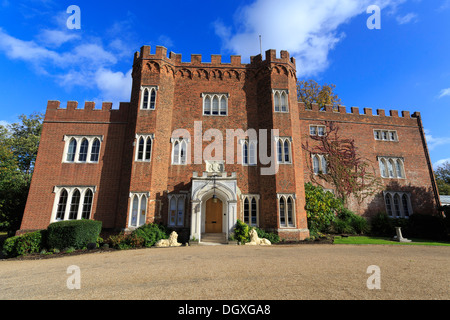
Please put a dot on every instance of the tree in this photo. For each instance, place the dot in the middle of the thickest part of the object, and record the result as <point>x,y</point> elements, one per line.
<point>18,149</point>
<point>442,174</point>
<point>350,174</point>
<point>309,91</point>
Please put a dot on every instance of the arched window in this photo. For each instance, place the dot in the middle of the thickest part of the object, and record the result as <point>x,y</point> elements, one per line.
<point>84,147</point>
<point>252,155</point>
<point>145,99</point>
<point>284,102</point>
<point>290,219</point>
<point>324,165</point>
<point>383,167</point>
<point>277,102</point>
<point>280,151</point>
<point>72,150</point>
<point>391,168</point>
<point>141,149</point>
<point>254,219</point>
<point>74,205</point>
<point>153,99</point>
<point>207,107</point>
<point>62,203</point>
<point>286,151</point>
<point>173,211</point>
<point>397,206</point>
<point>223,106</point>
<point>180,211</point>
<point>246,211</point>
<point>388,200</point>
<point>183,152</point>
<point>405,205</point>
<point>399,168</point>
<point>143,209</point>
<point>245,153</point>
<point>316,164</point>
<point>95,150</point>
<point>148,149</point>
<point>87,205</point>
<point>282,212</point>
<point>215,106</point>
<point>134,211</point>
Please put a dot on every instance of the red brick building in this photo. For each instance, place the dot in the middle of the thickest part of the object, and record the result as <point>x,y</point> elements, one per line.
<point>202,144</point>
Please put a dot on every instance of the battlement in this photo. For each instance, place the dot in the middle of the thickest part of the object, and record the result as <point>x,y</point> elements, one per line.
<point>72,112</point>
<point>216,60</point>
<point>328,112</point>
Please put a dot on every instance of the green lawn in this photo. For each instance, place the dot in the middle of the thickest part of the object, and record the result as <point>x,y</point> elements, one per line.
<point>386,240</point>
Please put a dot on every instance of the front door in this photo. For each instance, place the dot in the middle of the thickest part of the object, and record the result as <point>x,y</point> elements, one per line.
<point>213,217</point>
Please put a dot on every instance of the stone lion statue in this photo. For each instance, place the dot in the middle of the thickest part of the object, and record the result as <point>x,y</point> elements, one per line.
<point>171,242</point>
<point>256,241</point>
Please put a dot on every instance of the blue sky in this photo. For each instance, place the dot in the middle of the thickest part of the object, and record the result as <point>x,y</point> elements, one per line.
<point>405,65</point>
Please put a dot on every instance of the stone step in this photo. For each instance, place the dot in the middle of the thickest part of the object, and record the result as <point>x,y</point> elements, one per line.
<point>214,238</point>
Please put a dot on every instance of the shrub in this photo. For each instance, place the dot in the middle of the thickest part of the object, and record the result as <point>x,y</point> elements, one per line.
<point>76,233</point>
<point>427,227</point>
<point>241,232</point>
<point>150,234</point>
<point>24,244</point>
<point>349,222</point>
<point>321,208</point>
<point>272,237</point>
<point>382,225</point>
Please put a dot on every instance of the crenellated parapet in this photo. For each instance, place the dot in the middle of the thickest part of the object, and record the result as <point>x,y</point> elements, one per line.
<point>88,113</point>
<point>339,113</point>
<point>172,63</point>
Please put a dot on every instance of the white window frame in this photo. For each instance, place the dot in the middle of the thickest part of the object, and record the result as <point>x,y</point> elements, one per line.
<point>321,158</point>
<point>379,135</point>
<point>57,190</point>
<point>283,151</point>
<point>316,129</point>
<point>285,197</point>
<point>384,163</point>
<point>145,137</point>
<point>178,218</point>
<point>221,97</point>
<point>150,89</point>
<point>249,144</point>
<point>250,198</point>
<point>278,95</point>
<point>187,155</point>
<point>400,194</point>
<point>140,196</point>
<point>79,139</point>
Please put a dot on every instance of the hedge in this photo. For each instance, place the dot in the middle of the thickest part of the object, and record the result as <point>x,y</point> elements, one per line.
<point>24,244</point>
<point>77,234</point>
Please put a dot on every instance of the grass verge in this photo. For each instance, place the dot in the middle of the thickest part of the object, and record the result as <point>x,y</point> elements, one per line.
<point>386,240</point>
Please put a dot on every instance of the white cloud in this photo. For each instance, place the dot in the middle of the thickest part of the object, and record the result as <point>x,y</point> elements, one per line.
<point>440,163</point>
<point>444,92</point>
<point>55,38</point>
<point>410,17</point>
<point>115,86</point>
<point>81,64</point>
<point>4,123</point>
<point>307,29</point>
<point>434,142</point>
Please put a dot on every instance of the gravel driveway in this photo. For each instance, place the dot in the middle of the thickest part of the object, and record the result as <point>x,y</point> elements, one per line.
<point>236,273</point>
